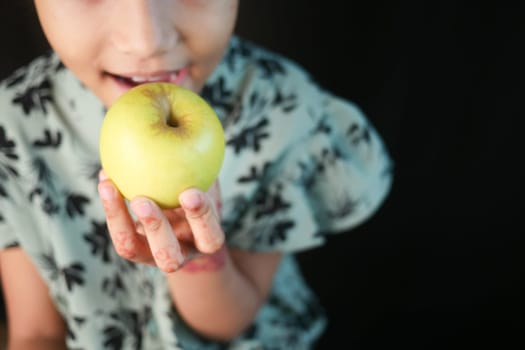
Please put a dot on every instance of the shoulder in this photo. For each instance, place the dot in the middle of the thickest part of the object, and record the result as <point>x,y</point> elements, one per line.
<point>44,98</point>
<point>266,64</point>
<point>258,92</point>
<point>29,88</point>
<point>251,76</point>
<point>22,95</point>
<point>38,104</point>
<point>244,56</point>
<point>25,99</point>
<point>38,69</point>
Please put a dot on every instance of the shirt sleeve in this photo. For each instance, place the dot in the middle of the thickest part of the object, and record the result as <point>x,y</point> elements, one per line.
<point>8,170</point>
<point>8,238</point>
<point>323,169</point>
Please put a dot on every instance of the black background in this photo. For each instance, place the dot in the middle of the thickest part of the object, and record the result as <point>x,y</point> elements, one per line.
<point>441,263</point>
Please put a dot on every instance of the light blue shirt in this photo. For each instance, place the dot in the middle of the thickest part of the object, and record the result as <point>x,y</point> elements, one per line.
<point>300,164</point>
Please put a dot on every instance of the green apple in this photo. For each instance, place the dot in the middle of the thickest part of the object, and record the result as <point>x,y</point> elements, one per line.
<point>159,139</point>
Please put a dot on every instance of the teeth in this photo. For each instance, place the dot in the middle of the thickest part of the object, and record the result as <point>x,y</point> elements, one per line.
<point>138,79</point>
<point>145,80</point>
<point>166,77</point>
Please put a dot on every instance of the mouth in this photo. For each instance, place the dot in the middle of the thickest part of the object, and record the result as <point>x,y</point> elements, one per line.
<point>129,81</point>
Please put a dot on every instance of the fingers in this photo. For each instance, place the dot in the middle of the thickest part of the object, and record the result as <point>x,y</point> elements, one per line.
<point>121,227</point>
<point>163,244</point>
<point>163,238</point>
<point>203,220</point>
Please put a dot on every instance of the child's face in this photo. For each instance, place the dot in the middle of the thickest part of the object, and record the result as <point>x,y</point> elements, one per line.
<point>113,45</point>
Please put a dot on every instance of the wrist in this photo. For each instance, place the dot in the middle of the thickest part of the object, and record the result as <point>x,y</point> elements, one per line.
<point>208,262</point>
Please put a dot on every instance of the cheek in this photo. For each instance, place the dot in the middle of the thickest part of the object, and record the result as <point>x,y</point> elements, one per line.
<point>207,53</point>
<point>81,63</point>
<point>79,53</point>
<point>75,51</point>
<point>71,35</point>
<point>207,35</point>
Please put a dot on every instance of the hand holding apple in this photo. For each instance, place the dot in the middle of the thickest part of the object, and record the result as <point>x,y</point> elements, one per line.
<point>171,238</point>
<point>159,139</point>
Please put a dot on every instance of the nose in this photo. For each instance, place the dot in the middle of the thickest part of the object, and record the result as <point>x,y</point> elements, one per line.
<point>142,28</point>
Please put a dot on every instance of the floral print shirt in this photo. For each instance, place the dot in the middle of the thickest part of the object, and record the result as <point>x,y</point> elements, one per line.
<point>300,164</point>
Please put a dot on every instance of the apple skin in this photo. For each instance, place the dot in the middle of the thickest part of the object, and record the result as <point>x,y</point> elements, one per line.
<point>159,139</point>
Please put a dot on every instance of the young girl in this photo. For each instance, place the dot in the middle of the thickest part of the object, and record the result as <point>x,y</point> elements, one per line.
<point>84,269</point>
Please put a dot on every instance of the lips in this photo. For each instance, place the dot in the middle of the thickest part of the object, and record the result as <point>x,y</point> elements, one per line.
<point>132,80</point>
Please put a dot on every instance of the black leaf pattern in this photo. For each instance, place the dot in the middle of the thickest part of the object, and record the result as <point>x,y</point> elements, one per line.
<point>250,137</point>
<point>79,320</point>
<point>44,173</point>
<point>69,332</point>
<point>269,203</point>
<point>287,103</point>
<point>218,95</point>
<point>49,264</point>
<point>76,321</point>
<point>48,205</point>
<point>34,97</point>
<point>130,322</point>
<point>75,204</point>
<point>255,174</point>
<point>257,103</point>
<point>270,67</point>
<point>323,127</point>
<point>6,170</point>
<point>49,140</point>
<point>99,240</point>
<point>237,51</point>
<point>308,177</point>
<point>73,275</point>
<point>358,133</point>
<point>113,338</point>
<point>7,146</point>
<point>113,286</point>
<point>7,157</point>
<point>273,232</point>
<point>60,66</point>
<point>280,231</point>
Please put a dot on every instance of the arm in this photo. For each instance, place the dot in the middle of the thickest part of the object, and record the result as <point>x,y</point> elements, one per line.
<point>218,291</point>
<point>32,319</point>
<point>220,301</point>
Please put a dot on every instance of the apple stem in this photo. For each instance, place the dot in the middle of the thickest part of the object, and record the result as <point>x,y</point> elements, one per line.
<point>172,122</point>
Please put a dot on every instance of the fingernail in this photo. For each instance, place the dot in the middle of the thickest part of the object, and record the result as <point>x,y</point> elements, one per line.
<point>191,199</point>
<point>142,207</point>
<point>107,192</point>
<point>102,175</point>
